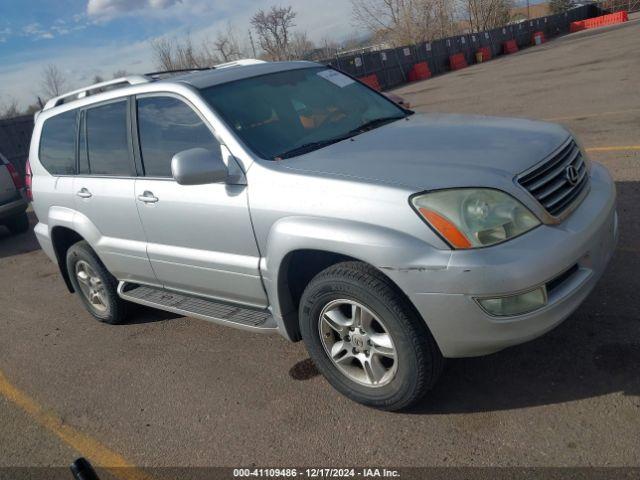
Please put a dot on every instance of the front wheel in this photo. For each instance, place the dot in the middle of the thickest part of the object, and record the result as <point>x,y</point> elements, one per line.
<point>366,339</point>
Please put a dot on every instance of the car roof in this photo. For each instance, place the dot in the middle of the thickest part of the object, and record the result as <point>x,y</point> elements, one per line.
<point>204,78</point>
<point>217,76</point>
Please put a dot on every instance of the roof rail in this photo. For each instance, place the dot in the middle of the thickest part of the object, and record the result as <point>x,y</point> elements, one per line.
<point>240,63</point>
<point>159,73</point>
<point>86,91</point>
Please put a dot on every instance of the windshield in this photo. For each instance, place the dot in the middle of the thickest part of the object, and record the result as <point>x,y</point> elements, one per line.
<point>284,114</point>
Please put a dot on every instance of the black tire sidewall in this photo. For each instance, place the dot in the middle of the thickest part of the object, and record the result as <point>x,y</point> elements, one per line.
<point>80,251</point>
<point>18,224</point>
<point>403,385</point>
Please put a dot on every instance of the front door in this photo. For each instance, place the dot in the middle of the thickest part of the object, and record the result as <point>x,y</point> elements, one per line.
<point>200,239</point>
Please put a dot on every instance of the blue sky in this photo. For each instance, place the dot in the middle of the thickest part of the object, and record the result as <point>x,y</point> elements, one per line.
<point>89,37</point>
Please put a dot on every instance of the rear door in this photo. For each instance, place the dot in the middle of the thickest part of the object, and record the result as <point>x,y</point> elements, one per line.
<point>200,236</point>
<point>104,190</point>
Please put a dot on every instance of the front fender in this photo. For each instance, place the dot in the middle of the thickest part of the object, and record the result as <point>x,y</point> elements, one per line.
<point>389,250</point>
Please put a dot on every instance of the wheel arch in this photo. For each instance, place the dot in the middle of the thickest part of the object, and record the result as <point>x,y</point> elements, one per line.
<point>297,269</point>
<point>62,238</point>
<point>317,243</point>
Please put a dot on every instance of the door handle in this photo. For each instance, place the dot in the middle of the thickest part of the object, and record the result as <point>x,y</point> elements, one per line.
<point>148,197</point>
<point>84,193</point>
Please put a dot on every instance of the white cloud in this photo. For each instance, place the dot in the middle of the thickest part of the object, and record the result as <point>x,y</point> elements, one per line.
<point>107,9</point>
<point>37,32</point>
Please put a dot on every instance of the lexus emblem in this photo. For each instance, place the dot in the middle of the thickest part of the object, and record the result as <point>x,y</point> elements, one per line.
<point>572,175</point>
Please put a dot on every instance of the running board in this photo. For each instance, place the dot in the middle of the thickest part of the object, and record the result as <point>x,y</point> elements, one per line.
<point>255,320</point>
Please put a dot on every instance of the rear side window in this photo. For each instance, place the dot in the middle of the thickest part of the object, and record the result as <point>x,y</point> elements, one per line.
<point>107,140</point>
<point>58,144</point>
<point>167,126</point>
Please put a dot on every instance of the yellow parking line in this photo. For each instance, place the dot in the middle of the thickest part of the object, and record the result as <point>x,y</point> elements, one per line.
<point>97,453</point>
<point>624,148</point>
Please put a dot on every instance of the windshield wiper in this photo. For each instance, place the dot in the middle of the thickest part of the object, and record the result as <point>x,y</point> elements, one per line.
<point>376,122</point>
<point>311,146</point>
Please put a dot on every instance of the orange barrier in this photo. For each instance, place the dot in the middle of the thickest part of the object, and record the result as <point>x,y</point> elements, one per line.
<point>372,81</point>
<point>486,53</point>
<point>458,61</point>
<point>602,21</point>
<point>510,46</point>
<point>420,71</point>
<point>538,38</point>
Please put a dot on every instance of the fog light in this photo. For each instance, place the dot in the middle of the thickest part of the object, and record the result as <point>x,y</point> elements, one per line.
<point>512,305</point>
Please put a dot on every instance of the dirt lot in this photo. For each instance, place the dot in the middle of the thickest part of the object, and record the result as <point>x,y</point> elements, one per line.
<point>166,391</point>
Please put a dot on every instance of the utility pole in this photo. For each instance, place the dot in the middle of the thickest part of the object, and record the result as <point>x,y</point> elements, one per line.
<point>528,11</point>
<point>253,45</point>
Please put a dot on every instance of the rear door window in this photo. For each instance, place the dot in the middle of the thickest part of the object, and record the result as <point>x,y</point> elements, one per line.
<point>166,126</point>
<point>58,144</point>
<point>108,148</point>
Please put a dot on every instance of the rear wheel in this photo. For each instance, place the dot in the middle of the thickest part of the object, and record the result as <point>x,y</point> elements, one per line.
<point>18,224</point>
<point>96,287</point>
<point>366,339</point>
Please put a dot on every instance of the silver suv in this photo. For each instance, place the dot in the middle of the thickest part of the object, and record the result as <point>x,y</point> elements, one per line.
<point>290,198</point>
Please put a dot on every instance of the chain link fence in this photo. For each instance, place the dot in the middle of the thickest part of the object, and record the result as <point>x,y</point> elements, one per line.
<point>392,66</point>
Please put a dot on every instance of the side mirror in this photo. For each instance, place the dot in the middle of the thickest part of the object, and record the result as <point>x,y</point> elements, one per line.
<point>198,166</point>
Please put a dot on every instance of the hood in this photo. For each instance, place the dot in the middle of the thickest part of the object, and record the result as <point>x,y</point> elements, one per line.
<point>436,151</point>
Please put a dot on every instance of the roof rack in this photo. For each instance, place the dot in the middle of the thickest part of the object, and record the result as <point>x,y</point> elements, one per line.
<point>160,73</point>
<point>240,63</point>
<point>136,80</point>
<point>235,63</point>
<point>86,91</point>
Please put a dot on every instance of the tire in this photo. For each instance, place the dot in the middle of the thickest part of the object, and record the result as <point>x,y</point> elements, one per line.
<point>19,224</point>
<point>82,262</point>
<point>417,363</point>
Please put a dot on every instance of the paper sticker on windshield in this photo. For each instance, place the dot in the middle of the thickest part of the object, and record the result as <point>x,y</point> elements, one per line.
<point>336,78</point>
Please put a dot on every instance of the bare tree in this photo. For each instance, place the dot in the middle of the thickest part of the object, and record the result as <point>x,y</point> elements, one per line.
<point>227,46</point>
<point>274,31</point>
<point>327,49</point>
<point>487,14</point>
<point>53,81</point>
<point>32,108</point>
<point>120,73</point>
<point>9,109</point>
<point>174,54</point>
<point>403,22</point>
<point>300,47</point>
<point>447,24</point>
<point>560,6</point>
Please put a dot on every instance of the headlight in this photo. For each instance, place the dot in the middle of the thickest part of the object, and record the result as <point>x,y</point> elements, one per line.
<point>474,217</point>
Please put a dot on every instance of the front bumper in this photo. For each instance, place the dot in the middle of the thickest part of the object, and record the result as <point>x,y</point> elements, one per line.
<point>583,245</point>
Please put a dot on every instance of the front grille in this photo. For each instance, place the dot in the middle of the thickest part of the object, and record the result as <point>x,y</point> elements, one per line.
<point>549,182</point>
